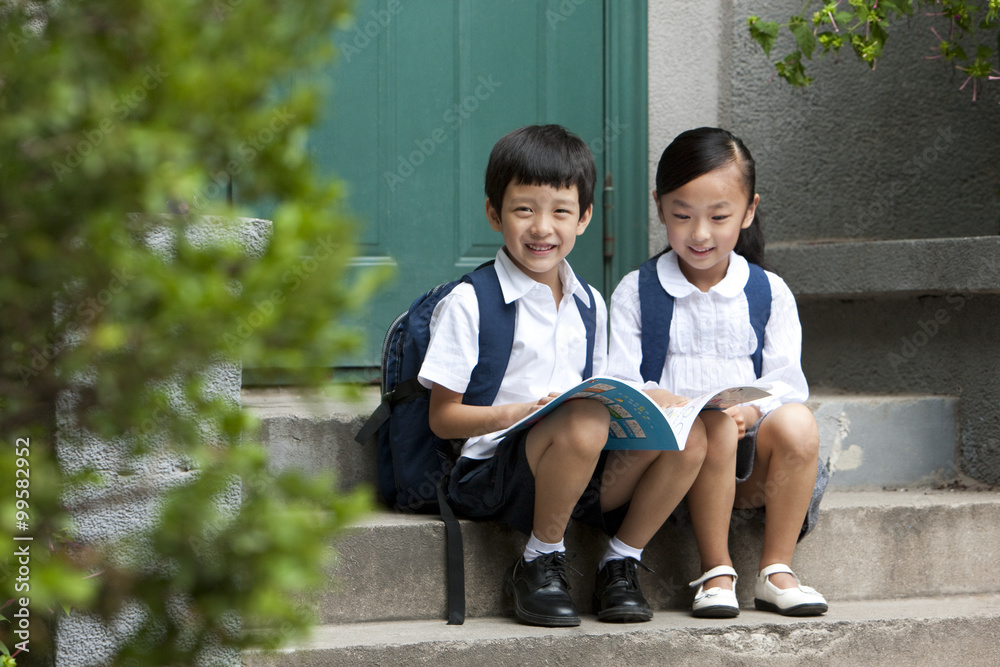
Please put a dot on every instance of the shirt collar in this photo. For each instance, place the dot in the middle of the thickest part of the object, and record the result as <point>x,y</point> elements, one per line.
<point>677,286</point>
<point>515,283</point>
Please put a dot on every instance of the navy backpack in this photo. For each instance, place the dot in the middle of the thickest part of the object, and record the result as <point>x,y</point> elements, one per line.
<point>413,463</point>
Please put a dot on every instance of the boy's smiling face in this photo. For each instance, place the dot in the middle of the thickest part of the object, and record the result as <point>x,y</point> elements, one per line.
<point>539,224</point>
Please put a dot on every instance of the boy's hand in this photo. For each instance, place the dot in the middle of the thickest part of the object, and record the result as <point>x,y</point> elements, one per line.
<point>525,409</point>
<point>665,399</point>
<point>544,400</point>
<point>451,419</point>
<point>745,416</point>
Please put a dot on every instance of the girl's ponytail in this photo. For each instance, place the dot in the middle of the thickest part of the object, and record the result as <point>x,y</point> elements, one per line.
<point>750,243</point>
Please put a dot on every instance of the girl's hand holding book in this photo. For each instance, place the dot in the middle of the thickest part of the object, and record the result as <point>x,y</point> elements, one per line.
<point>665,399</point>
<point>745,416</point>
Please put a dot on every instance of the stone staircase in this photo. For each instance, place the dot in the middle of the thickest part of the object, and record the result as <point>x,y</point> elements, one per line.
<point>905,552</point>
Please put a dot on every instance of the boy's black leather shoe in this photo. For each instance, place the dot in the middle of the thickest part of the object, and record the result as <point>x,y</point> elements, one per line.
<point>617,598</point>
<point>541,591</point>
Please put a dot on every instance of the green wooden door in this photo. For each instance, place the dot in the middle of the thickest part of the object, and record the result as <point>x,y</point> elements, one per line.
<point>420,93</point>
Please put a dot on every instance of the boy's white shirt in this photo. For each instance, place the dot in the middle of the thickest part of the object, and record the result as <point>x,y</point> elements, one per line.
<point>550,345</point>
<point>711,339</point>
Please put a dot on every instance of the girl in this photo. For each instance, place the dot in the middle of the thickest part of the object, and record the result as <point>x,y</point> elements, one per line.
<point>705,197</point>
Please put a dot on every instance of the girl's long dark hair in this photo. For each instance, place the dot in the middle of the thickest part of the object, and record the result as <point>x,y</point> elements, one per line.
<point>695,153</point>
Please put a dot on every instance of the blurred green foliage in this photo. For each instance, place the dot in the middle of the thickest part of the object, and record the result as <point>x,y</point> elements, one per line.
<point>124,124</point>
<point>967,34</point>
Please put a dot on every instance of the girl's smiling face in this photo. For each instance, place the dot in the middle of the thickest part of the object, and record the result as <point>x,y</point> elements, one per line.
<point>703,218</point>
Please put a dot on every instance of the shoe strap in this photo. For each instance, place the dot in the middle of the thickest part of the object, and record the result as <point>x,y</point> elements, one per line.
<point>717,571</point>
<point>775,569</point>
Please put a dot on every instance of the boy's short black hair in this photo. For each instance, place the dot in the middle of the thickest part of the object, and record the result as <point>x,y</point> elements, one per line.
<point>541,155</point>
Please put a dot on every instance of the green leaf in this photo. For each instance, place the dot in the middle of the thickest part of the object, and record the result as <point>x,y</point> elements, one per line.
<point>791,70</point>
<point>844,18</point>
<point>981,67</point>
<point>879,34</point>
<point>953,52</point>
<point>902,7</point>
<point>867,50</point>
<point>804,36</point>
<point>830,41</point>
<point>763,32</point>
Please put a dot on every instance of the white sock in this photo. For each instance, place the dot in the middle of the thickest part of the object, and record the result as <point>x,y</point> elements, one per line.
<point>618,550</point>
<point>535,548</point>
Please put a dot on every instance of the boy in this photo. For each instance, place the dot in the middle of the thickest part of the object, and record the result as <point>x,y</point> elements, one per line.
<point>540,188</point>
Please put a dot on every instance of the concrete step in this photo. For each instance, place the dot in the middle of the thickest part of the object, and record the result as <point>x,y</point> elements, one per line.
<point>867,545</point>
<point>867,268</point>
<point>314,430</point>
<point>871,441</point>
<point>955,630</point>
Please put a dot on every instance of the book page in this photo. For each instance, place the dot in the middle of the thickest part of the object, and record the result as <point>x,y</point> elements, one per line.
<point>637,422</point>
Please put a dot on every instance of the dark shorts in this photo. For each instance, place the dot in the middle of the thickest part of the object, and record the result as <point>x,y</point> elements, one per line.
<point>745,453</point>
<point>502,488</point>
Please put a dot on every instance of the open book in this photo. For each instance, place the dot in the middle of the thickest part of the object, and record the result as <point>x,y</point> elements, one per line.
<point>637,422</point>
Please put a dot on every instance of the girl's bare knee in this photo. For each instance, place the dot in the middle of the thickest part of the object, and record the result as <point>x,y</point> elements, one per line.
<point>795,434</point>
<point>696,448</point>
<point>722,438</point>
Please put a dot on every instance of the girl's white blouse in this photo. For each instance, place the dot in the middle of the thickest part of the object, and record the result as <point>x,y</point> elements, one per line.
<point>711,339</point>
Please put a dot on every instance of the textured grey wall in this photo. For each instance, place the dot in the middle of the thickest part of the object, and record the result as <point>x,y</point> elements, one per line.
<point>894,153</point>
<point>685,47</point>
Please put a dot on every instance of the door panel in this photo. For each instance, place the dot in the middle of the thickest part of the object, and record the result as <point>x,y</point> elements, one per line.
<point>420,93</point>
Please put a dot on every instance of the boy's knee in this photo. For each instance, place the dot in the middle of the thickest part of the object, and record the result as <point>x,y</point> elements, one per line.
<point>587,418</point>
<point>584,426</point>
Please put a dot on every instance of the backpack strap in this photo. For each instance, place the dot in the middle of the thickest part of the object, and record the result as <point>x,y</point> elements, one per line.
<point>589,316</point>
<point>496,336</point>
<point>486,377</point>
<point>454,556</point>
<point>656,309</point>
<point>758,293</point>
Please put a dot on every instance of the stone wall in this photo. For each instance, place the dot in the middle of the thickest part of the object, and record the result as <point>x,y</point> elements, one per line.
<point>124,507</point>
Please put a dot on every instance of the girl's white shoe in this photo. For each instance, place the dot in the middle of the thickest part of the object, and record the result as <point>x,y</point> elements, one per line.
<point>715,602</point>
<point>798,601</point>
